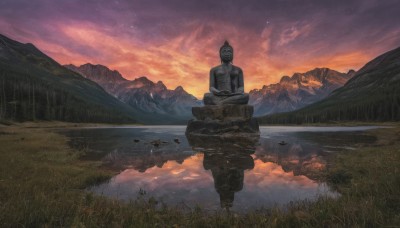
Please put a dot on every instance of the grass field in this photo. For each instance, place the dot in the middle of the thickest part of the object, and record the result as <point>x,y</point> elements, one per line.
<point>42,183</point>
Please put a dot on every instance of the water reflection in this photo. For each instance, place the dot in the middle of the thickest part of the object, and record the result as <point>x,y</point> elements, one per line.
<point>227,160</point>
<point>301,158</point>
<point>241,175</point>
<point>228,174</point>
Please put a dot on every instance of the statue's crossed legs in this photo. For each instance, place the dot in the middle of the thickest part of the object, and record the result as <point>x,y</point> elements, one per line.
<point>211,99</point>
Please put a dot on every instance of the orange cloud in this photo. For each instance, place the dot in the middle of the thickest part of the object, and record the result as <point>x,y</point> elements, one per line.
<point>186,59</point>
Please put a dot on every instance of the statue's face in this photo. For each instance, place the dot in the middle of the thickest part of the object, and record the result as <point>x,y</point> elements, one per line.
<point>226,54</point>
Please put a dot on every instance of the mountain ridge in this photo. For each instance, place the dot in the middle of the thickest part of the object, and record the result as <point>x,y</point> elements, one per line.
<point>370,95</point>
<point>154,100</point>
<point>297,91</point>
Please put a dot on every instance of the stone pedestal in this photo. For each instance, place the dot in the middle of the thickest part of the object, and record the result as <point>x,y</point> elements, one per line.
<point>230,122</point>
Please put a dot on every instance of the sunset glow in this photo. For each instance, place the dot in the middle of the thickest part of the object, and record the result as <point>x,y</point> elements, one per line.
<point>191,174</point>
<point>178,43</point>
<point>266,183</point>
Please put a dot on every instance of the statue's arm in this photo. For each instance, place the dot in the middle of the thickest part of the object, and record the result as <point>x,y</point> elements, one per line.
<point>212,83</point>
<point>241,82</point>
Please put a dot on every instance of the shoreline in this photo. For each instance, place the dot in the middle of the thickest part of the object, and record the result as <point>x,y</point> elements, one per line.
<point>57,124</point>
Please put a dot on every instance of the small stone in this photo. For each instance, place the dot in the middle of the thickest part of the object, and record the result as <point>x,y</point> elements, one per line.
<point>156,143</point>
<point>282,143</point>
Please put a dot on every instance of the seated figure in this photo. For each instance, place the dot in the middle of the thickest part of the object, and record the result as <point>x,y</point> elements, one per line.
<point>226,81</point>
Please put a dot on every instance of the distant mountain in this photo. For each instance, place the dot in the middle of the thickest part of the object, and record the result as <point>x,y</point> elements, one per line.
<point>371,95</point>
<point>103,76</point>
<point>35,87</point>
<point>156,103</point>
<point>298,91</point>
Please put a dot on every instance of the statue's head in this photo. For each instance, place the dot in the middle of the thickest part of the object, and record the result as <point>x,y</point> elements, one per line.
<point>226,53</point>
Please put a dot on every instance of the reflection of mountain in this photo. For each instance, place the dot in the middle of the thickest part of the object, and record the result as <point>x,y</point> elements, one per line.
<point>35,87</point>
<point>305,152</point>
<point>371,95</point>
<point>156,103</point>
<point>299,158</point>
<point>118,150</point>
<point>295,92</point>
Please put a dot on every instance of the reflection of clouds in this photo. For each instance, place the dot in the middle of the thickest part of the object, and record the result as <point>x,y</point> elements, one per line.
<point>265,185</point>
<point>171,171</point>
<point>176,172</point>
<point>299,158</point>
<point>268,184</point>
<point>268,174</point>
<point>187,182</point>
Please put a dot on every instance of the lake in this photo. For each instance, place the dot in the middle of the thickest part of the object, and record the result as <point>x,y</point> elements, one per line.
<point>159,162</point>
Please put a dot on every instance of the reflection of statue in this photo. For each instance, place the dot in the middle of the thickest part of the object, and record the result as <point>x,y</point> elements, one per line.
<point>227,160</point>
<point>228,173</point>
<point>226,81</point>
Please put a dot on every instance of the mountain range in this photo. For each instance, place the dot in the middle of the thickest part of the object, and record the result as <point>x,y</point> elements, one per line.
<point>35,87</point>
<point>297,91</point>
<point>372,94</point>
<point>154,101</point>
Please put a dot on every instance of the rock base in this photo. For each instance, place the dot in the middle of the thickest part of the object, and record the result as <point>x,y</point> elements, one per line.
<point>223,112</point>
<point>223,122</point>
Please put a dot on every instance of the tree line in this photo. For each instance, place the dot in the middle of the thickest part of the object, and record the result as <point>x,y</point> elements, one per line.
<point>24,98</point>
<point>383,104</point>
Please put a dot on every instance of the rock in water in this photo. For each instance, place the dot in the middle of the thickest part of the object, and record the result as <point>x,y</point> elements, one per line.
<point>216,122</point>
<point>223,112</point>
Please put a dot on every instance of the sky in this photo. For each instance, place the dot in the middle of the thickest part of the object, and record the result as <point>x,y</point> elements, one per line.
<point>178,41</point>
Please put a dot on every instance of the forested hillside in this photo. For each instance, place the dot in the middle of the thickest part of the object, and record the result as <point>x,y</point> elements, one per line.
<point>35,87</point>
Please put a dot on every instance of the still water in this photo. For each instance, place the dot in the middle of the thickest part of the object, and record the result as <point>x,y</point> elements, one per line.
<point>159,162</point>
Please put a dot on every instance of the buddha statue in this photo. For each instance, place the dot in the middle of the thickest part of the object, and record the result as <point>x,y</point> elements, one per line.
<point>226,81</point>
